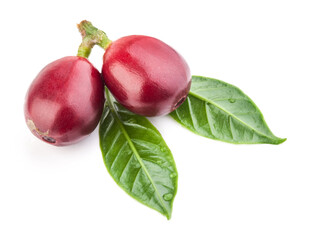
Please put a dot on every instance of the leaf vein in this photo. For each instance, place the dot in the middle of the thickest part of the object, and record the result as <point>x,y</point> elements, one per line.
<point>230,126</point>
<point>134,125</point>
<point>116,157</point>
<point>227,99</point>
<point>117,135</point>
<point>191,113</point>
<point>208,120</point>
<point>109,127</point>
<point>207,89</point>
<point>127,162</point>
<point>134,181</point>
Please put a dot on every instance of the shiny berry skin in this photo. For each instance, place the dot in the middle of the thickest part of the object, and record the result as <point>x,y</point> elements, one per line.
<point>65,101</point>
<point>145,75</point>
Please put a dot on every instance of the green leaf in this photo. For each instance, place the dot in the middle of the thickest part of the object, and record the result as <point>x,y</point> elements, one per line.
<point>137,157</point>
<point>221,111</point>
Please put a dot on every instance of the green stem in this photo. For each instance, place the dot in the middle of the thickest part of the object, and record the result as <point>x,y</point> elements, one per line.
<point>91,36</point>
<point>108,98</point>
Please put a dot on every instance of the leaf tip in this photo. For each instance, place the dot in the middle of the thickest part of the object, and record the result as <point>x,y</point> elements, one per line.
<point>280,140</point>
<point>283,140</point>
<point>168,216</point>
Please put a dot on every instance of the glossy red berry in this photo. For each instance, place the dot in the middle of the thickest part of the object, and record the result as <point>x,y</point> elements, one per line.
<point>145,75</point>
<point>65,101</point>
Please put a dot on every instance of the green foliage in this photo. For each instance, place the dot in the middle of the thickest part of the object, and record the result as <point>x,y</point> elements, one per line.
<point>221,111</point>
<point>137,157</point>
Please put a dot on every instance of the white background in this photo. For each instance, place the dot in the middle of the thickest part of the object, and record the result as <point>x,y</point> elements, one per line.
<point>275,51</point>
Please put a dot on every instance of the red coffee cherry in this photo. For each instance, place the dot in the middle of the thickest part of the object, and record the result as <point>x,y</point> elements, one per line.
<point>145,75</point>
<point>65,101</point>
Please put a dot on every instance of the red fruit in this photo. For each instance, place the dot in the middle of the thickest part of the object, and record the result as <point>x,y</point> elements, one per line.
<point>65,101</point>
<point>145,75</point>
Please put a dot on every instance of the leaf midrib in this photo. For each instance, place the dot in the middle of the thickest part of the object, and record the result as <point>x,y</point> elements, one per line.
<point>135,152</point>
<point>229,113</point>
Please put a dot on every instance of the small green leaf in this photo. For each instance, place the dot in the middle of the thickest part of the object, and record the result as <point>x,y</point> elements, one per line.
<point>221,111</point>
<point>137,157</point>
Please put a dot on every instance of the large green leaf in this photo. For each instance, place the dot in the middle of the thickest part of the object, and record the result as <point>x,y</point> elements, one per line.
<point>221,111</point>
<point>137,157</point>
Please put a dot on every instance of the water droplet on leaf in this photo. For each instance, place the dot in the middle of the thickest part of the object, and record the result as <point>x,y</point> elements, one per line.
<point>168,196</point>
<point>232,100</point>
<point>163,149</point>
<point>172,175</point>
